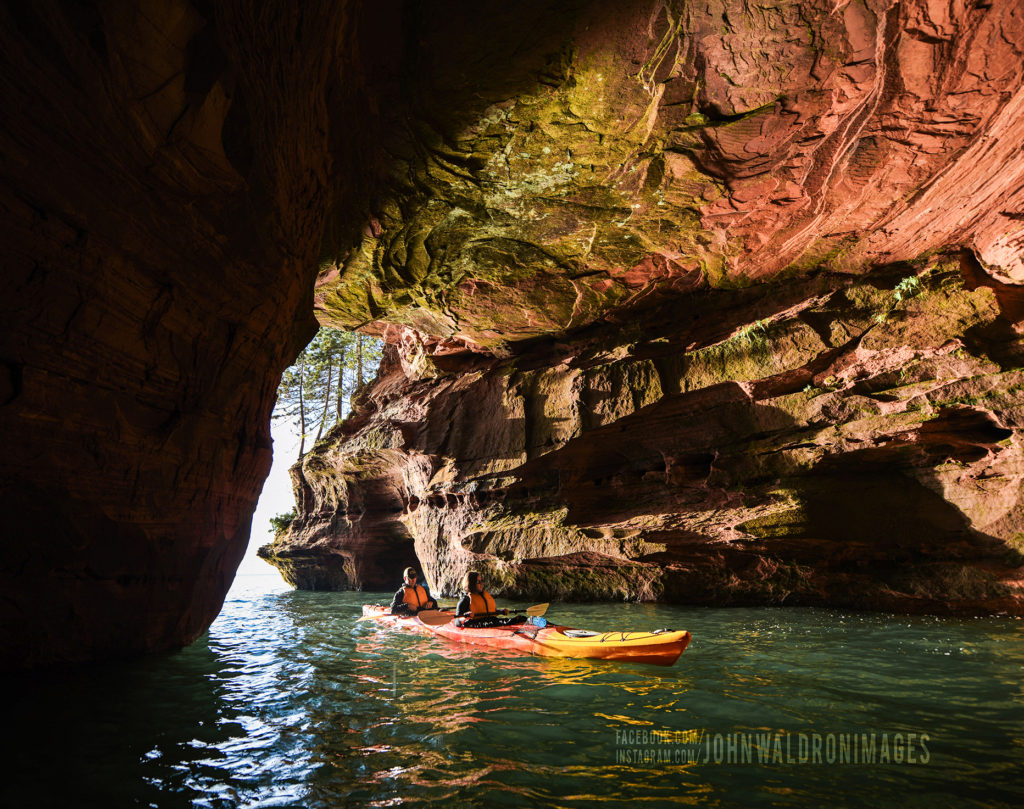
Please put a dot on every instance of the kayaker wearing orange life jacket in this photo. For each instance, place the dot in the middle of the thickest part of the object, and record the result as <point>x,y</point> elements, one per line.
<point>475,601</point>
<point>476,607</point>
<point>411,597</point>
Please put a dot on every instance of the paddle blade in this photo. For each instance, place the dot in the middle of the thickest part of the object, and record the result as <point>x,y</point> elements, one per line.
<point>537,609</point>
<point>434,617</point>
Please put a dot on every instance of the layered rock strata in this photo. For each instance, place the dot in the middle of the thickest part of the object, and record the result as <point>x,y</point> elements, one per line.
<point>824,441</point>
<point>722,308</point>
<point>158,240</point>
<point>661,145</point>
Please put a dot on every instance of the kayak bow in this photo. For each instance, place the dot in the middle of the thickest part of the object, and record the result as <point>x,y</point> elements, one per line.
<point>381,614</point>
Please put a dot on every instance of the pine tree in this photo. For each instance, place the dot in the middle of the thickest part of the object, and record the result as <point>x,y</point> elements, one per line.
<point>314,391</point>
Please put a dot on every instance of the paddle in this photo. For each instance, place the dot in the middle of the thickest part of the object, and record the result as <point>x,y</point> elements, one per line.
<point>389,615</point>
<point>435,618</point>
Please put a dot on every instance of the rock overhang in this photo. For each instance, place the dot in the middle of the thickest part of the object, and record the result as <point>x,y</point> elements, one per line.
<point>748,268</point>
<point>651,148</point>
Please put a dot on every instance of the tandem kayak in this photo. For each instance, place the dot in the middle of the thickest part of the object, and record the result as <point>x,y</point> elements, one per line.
<point>661,647</point>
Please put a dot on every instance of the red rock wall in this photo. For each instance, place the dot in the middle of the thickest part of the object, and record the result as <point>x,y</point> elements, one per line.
<point>158,247</point>
<point>580,397</point>
<point>175,179</point>
<point>660,145</point>
<point>859,445</point>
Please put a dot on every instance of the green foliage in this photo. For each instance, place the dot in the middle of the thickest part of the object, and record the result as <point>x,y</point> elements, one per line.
<point>753,333</point>
<point>281,522</point>
<point>907,288</point>
<point>315,392</point>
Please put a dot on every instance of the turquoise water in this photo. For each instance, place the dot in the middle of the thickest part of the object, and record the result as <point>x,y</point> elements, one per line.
<point>287,702</point>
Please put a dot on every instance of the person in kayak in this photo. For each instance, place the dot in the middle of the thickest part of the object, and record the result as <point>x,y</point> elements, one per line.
<point>411,596</point>
<point>476,607</point>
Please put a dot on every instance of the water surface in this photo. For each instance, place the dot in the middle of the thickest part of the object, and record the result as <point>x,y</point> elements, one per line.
<point>288,702</point>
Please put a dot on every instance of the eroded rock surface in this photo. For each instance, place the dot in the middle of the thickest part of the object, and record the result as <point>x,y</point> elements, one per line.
<point>566,218</point>
<point>722,308</point>
<point>824,441</point>
<point>158,239</point>
<point>664,146</point>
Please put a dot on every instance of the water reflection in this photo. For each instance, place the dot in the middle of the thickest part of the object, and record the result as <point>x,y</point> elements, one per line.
<point>116,733</point>
<point>290,702</point>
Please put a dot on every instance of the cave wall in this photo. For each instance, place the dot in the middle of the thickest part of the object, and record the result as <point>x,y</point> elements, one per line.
<point>859,445</point>
<point>612,153</point>
<point>723,308</point>
<point>165,179</point>
<point>173,177</point>
<point>500,190</point>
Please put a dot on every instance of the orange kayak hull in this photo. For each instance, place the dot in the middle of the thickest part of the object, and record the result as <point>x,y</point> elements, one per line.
<point>657,648</point>
<point>660,648</point>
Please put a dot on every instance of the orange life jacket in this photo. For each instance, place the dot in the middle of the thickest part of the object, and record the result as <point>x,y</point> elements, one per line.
<point>415,595</point>
<point>481,603</point>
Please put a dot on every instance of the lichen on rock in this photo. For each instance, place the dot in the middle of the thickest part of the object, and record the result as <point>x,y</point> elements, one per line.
<point>639,263</point>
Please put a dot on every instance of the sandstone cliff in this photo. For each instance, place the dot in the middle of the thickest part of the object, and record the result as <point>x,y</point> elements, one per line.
<point>721,309</point>
<point>828,441</point>
<point>166,177</point>
<point>575,222</point>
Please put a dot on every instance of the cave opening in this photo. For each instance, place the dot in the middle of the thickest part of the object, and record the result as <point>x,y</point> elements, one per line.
<point>594,216</point>
<point>690,321</point>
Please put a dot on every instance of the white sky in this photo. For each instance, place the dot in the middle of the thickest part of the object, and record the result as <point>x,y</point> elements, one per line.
<point>275,499</point>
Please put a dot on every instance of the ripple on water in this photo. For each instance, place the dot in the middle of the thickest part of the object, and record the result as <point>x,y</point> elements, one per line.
<point>289,702</point>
